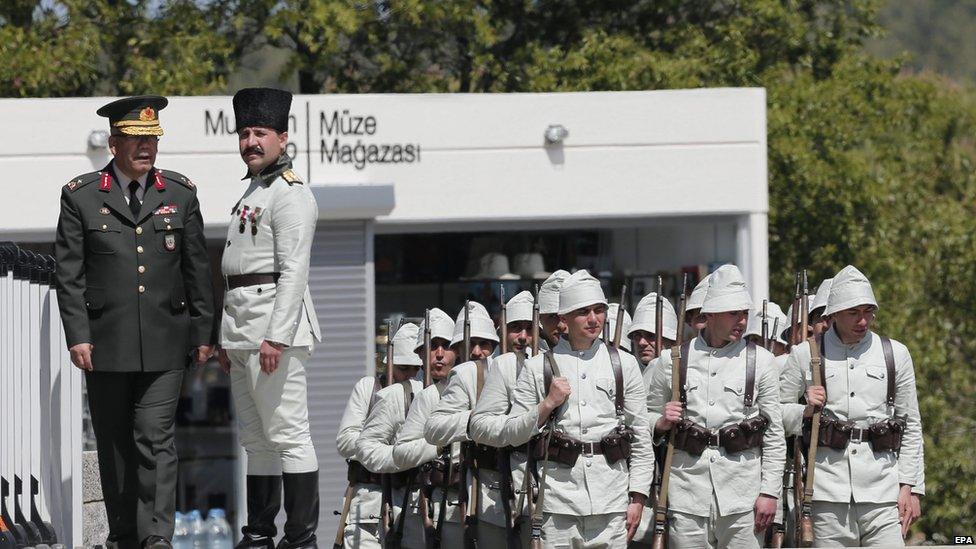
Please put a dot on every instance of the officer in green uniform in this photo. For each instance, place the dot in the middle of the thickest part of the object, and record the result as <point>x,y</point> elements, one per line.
<point>136,300</point>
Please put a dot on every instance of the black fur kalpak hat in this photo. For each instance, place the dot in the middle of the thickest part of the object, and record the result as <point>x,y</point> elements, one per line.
<point>263,107</point>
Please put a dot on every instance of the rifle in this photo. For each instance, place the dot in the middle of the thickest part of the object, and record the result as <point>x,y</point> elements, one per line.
<point>386,505</point>
<point>469,506</point>
<point>535,321</point>
<point>344,515</point>
<point>806,538</point>
<point>661,509</point>
<point>424,502</point>
<point>772,335</point>
<point>659,319</point>
<point>503,320</point>
<point>467,332</point>
<point>618,328</point>
<point>795,321</point>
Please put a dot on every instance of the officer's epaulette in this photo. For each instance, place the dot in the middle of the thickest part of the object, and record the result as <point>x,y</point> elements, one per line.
<point>82,180</point>
<point>177,177</point>
<point>291,177</point>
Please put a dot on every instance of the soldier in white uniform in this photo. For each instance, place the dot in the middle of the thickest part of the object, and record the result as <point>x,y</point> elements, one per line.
<point>641,334</point>
<point>385,421</point>
<point>818,321</point>
<point>551,323</point>
<point>364,510</point>
<point>729,449</point>
<point>775,321</point>
<point>595,490</point>
<point>412,449</point>
<point>449,422</point>
<point>870,446</point>
<point>269,325</point>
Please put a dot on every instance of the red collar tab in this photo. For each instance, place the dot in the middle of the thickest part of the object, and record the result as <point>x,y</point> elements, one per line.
<point>160,184</point>
<point>106,184</point>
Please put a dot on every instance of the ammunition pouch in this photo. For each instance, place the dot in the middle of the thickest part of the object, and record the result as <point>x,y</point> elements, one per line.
<point>744,435</point>
<point>834,433</point>
<point>886,435</point>
<point>357,474</point>
<point>616,444</point>
<point>691,437</point>
<point>436,472</point>
<point>562,448</point>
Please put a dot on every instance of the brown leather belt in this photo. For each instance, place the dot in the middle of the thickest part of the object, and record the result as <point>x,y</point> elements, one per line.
<point>592,448</point>
<point>251,279</point>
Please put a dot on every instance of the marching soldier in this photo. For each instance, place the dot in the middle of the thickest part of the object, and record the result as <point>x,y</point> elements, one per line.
<point>642,331</point>
<point>269,325</point>
<point>729,450</point>
<point>136,300</point>
<point>869,454</point>
<point>385,421</point>
<point>414,446</point>
<point>449,422</point>
<point>551,323</point>
<point>591,399</point>
<point>364,510</point>
<point>642,334</point>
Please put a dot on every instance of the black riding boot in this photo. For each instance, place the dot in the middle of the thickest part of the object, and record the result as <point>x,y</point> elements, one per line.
<point>263,504</point>
<point>302,508</point>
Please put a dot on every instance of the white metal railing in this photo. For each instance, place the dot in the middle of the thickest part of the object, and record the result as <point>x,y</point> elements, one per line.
<point>40,408</point>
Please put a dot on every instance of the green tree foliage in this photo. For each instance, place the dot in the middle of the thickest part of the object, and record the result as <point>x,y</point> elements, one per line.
<point>55,48</point>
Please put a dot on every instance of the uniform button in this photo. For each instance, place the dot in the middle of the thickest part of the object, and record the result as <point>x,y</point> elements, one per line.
<point>854,451</point>
<point>138,230</point>
<point>852,393</point>
<point>582,403</point>
<point>712,459</point>
<point>168,227</point>
<point>852,366</point>
<point>711,403</point>
<point>714,374</point>
<point>583,375</point>
<point>139,249</point>
<point>142,289</point>
<point>589,463</point>
<point>142,269</point>
<point>228,243</point>
<point>585,431</point>
<point>259,290</point>
<point>166,220</point>
<point>104,227</point>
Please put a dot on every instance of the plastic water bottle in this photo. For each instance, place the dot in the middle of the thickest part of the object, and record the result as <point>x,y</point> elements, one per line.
<point>218,530</point>
<point>198,533</point>
<point>181,537</point>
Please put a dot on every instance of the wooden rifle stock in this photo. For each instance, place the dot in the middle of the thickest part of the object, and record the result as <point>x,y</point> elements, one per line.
<point>765,326</point>
<point>661,509</point>
<point>344,516</point>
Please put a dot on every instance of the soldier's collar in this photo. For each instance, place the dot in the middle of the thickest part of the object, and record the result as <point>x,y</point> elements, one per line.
<point>271,171</point>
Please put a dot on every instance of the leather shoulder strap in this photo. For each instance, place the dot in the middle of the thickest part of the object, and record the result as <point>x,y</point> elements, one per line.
<point>618,377</point>
<point>750,373</point>
<point>482,365</point>
<point>407,396</point>
<point>683,371</point>
<point>889,357</point>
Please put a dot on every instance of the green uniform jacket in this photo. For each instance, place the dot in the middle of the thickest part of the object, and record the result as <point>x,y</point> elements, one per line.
<point>139,290</point>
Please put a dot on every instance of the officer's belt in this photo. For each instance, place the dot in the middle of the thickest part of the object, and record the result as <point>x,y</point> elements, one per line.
<point>251,279</point>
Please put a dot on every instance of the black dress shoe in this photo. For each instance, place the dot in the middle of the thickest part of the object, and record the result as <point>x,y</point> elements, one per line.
<point>253,541</point>
<point>156,542</point>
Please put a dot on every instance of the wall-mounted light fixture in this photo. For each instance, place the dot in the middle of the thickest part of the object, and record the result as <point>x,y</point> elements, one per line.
<point>555,134</point>
<point>98,139</point>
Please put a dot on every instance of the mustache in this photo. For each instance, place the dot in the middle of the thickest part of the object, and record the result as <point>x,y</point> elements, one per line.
<point>255,149</point>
